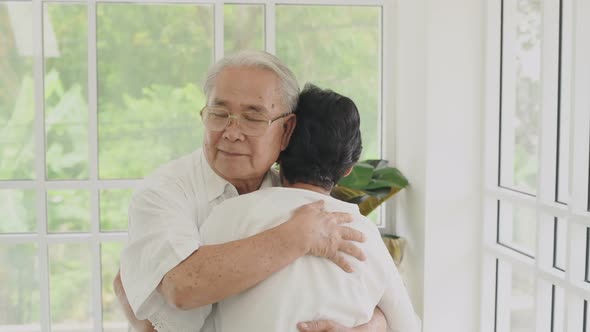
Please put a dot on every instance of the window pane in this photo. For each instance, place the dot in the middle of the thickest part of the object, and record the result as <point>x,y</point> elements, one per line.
<point>563,156</point>
<point>558,309</point>
<point>113,209</point>
<point>17,211</point>
<point>517,228</point>
<point>66,108</point>
<point>19,294</point>
<point>68,211</point>
<point>587,255</point>
<point>17,96</point>
<point>70,287</point>
<point>243,28</point>
<point>113,319</point>
<point>521,94</point>
<point>151,59</point>
<point>522,302</point>
<point>560,245</point>
<point>586,314</point>
<point>339,48</point>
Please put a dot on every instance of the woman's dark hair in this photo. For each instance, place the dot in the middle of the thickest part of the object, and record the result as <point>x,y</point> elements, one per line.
<point>326,141</point>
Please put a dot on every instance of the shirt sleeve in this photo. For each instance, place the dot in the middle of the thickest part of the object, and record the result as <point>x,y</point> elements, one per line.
<point>395,303</point>
<point>162,233</point>
<point>397,308</point>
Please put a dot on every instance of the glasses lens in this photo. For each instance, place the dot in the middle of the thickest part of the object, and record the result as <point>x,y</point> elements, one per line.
<point>215,119</point>
<point>253,123</point>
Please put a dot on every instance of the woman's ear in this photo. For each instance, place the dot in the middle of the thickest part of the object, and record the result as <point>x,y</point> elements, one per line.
<point>348,171</point>
<point>288,128</point>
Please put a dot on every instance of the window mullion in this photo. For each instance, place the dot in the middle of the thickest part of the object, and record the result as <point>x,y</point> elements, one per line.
<point>218,31</point>
<point>38,75</point>
<point>549,102</point>
<point>488,293</point>
<point>546,170</point>
<point>270,27</point>
<point>580,118</point>
<point>96,281</point>
<point>508,95</point>
<point>492,94</point>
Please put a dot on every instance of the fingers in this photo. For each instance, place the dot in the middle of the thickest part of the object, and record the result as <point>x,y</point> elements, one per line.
<point>351,234</point>
<point>352,250</point>
<point>317,205</point>
<point>341,217</point>
<point>316,326</point>
<point>342,262</point>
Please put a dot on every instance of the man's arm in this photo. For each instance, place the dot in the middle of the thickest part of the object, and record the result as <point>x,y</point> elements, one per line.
<point>376,324</point>
<point>215,272</point>
<point>137,325</point>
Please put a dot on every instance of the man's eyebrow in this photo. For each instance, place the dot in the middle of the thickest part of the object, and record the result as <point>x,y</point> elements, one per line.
<point>255,107</point>
<point>218,102</point>
<point>249,107</point>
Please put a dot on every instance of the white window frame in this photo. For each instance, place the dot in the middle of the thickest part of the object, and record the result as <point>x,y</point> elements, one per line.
<point>575,84</point>
<point>94,184</point>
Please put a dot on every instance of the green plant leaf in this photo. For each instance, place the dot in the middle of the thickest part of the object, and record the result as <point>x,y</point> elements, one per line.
<point>370,204</point>
<point>370,183</point>
<point>380,192</point>
<point>392,175</point>
<point>349,195</point>
<point>378,184</point>
<point>359,177</point>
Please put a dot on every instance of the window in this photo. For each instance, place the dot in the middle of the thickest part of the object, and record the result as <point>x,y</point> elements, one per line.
<point>536,208</point>
<point>585,317</point>
<point>587,270</point>
<point>95,94</point>
<point>559,243</point>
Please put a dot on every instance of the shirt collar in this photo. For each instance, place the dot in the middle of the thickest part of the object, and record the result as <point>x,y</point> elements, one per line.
<point>216,186</point>
<point>271,179</point>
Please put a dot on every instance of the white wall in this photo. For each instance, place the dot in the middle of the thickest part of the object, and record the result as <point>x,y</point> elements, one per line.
<point>438,145</point>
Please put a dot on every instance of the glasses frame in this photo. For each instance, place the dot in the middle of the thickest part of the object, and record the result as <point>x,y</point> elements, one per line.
<point>237,119</point>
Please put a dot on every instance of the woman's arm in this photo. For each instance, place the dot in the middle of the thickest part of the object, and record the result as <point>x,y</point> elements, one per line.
<point>137,325</point>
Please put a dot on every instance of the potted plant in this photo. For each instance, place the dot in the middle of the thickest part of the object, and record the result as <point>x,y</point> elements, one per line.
<point>369,184</point>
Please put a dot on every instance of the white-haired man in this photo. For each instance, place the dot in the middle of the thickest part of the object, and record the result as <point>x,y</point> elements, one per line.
<point>168,277</point>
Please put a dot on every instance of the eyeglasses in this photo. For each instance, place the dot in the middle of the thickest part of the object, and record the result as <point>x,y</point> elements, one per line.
<point>251,123</point>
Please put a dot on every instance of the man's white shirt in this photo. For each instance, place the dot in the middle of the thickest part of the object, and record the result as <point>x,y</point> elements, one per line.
<point>310,288</point>
<point>165,216</point>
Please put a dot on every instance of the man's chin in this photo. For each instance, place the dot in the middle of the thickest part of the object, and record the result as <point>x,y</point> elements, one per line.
<point>234,172</point>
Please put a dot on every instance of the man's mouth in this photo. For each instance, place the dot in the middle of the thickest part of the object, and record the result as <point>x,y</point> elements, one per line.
<point>231,153</point>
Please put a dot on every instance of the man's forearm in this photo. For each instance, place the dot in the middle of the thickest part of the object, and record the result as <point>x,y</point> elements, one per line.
<point>215,272</point>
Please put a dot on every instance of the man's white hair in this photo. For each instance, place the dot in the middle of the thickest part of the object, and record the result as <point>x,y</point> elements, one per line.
<point>258,59</point>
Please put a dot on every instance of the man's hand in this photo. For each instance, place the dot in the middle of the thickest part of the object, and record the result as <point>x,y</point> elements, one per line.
<point>325,237</point>
<point>326,326</point>
<point>376,324</point>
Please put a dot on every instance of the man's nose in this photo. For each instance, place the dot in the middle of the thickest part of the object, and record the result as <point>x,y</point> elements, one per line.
<point>233,132</point>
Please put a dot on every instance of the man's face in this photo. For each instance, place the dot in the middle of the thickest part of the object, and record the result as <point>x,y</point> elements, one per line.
<point>231,154</point>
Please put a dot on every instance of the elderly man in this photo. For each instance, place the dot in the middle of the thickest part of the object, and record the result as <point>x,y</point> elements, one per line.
<point>168,278</point>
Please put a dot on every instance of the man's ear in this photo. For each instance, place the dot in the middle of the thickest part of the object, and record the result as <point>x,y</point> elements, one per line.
<point>288,128</point>
<point>348,171</point>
